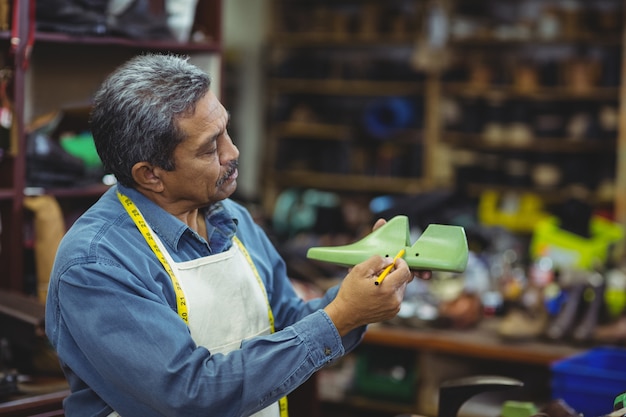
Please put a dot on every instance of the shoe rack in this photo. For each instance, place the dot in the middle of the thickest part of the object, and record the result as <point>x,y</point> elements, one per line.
<point>531,97</point>
<point>346,109</point>
<point>58,71</point>
<point>523,96</point>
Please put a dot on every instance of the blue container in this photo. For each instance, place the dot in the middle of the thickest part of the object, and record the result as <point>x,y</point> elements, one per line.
<point>590,381</point>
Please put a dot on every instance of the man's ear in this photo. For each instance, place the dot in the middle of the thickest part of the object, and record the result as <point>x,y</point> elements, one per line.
<point>147,176</point>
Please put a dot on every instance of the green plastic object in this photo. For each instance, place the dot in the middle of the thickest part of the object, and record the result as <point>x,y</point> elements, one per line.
<point>620,402</point>
<point>82,147</point>
<point>518,409</point>
<point>439,248</point>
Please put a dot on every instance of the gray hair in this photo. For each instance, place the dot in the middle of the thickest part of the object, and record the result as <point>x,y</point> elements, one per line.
<point>135,112</point>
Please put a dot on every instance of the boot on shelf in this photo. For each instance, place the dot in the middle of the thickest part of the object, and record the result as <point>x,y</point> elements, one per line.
<point>593,299</point>
<point>563,323</point>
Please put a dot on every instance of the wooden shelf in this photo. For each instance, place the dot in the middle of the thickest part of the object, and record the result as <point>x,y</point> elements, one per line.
<point>482,342</point>
<point>6,193</point>
<point>349,183</point>
<point>467,90</point>
<point>313,130</point>
<point>580,38</point>
<point>548,195</point>
<point>552,145</point>
<point>346,87</point>
<point>470,347</point>
<point>49,404</point>
<point>62,38</point>
<point>325,131</point>
<point>59,71</point>
<point>93,190</point>
<point>304,39</point>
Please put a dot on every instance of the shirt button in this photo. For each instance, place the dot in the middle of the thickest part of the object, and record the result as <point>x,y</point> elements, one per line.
<point>327,351</point>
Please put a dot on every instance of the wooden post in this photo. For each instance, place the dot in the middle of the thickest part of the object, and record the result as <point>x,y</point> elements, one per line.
<point>620,180</point>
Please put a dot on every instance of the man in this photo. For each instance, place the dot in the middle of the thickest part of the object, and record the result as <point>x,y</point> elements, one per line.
<point>166,299</point>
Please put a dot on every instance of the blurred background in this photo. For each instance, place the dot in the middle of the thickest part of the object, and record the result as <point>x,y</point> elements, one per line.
<point>502,117</point>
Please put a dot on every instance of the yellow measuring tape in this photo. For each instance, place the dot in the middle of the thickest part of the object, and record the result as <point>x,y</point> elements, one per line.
<point>181,304</point>
<point>141,224</point>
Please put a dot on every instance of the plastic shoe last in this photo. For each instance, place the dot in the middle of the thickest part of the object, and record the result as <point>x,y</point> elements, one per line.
<point>439,248</point>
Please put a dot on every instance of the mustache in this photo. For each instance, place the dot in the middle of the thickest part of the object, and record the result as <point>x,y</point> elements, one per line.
<point>232,167</point>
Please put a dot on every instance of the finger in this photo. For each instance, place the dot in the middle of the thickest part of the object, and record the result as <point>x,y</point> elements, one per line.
<point>372,266</point>
<point>380,222</point>
<point>401,273</point>
<point>425,275</point>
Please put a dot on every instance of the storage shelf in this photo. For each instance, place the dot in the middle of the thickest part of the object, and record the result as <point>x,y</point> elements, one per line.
<point>293,40</point>
<point>60,70</point>
<point>62,38</point>
<point>326,131</point>
<point>552,145</point>
<point>346,87</point>
<point>349,183</point>
<point>580,38</point>
<point>467,90</point>
<point>49,404</point>
<point>550,85</point>
<point>313,130</point>
<point>548,194</point>
<point>6,193</point>
<point>86,191</point>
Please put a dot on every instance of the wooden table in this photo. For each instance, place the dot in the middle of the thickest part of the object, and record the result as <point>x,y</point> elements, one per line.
<point>481,342</point>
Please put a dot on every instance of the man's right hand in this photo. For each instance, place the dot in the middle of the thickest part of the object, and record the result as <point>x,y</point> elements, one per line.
<point>360,301</point>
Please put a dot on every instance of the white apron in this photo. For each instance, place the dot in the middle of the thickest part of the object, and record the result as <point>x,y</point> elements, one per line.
<point>226,303</point>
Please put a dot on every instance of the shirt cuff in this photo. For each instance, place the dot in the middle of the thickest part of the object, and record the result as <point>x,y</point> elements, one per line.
<point>321,338</point>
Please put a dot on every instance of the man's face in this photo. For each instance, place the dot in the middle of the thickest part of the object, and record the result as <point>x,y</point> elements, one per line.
<point>206,161</point>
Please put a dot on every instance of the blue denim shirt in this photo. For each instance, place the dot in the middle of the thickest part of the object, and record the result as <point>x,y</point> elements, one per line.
<point>111,316</point>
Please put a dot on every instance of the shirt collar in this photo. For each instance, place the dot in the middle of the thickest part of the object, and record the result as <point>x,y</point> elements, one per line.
<point>221,226</point>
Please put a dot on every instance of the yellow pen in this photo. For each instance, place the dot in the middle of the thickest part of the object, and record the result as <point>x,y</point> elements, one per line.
<point>382,276</point>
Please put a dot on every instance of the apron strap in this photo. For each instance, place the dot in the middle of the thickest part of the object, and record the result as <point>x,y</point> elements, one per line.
<point>282,403</point>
